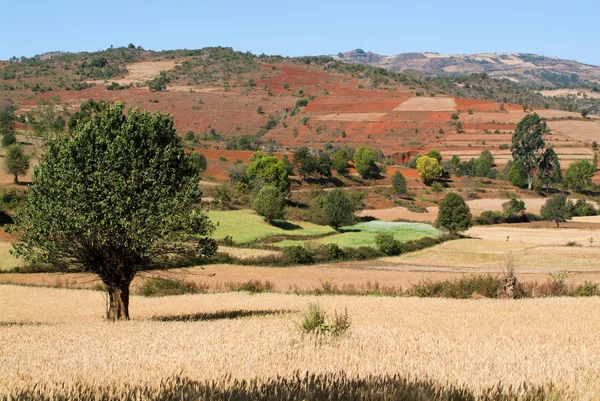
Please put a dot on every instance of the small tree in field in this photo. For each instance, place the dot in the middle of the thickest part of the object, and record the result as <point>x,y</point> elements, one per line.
<point>337,208</point>
<point>270,203</point>
<point>16,161</point>
<point>116,198</point>
<point>454,215</point>
<point>557,209</point>
<point>399,183</point>
<point>429,169</point>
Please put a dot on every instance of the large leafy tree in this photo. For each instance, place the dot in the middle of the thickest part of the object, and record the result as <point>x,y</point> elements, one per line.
<point>115,198</point>
<point>364,161</point>
<point>550,169</point>
<point>265,169</point>
<point>579,174</point>
<point>528,145</point>
<point>454,214</point>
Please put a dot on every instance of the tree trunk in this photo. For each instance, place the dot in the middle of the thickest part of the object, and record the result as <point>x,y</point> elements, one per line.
<point>118,301</point>
<point>557,226</point>
<point>529,181</point>
<point>16,179</point>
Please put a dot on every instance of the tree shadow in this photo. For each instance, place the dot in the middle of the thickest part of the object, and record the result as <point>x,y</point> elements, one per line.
<point>5,219</point>
<point>286,225</point>
<point>220,315</point>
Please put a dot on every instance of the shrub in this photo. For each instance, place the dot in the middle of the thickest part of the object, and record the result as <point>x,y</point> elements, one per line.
<point>314,322</point>
<point>387,244</point>
<point>399,183</point>
<point>335,252</point>
<point>8,139</point>
<point>160,287</point>
<point>461,288</point>
<point>583,208</point>
<point>429,169</point>
<point>300,255</point>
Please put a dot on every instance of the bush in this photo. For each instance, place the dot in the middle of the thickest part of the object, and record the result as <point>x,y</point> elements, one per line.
<point>269,203</point>
<point>335,252</point>
<point>314,322</point>
<point>300,255</point>
<point>387,244</point>
<point>8,139</point>
<point>160,287</point>
<point>463,288</point>
<point>399,183</point>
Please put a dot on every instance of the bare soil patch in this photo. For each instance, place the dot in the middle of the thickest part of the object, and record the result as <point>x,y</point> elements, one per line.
<point>351,117</point>
<point>142,71</point>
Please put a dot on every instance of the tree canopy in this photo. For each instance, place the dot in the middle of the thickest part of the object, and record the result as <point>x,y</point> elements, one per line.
<point>399,183</point>
<point>429,169</point>
<point>454,214</point>
<point>364,161</point>
<point>528,145</point>
<point>557,208</point>
<point>16,161</point>
<point>578,175</point>
<point>269,170</point>
<point>269,203</point>
<point>117,197</point>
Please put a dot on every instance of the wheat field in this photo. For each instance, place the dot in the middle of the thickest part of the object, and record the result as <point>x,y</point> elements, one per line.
<point>56,338</point>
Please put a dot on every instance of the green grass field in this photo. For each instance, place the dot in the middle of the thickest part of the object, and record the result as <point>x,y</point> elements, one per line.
<point>246,226</point>
<point>363,234</point>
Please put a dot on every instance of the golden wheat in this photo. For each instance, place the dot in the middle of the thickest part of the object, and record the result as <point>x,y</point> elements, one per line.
<point>59,336</point>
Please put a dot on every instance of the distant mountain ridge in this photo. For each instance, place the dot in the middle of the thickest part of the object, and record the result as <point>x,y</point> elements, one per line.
<point>531,70</point>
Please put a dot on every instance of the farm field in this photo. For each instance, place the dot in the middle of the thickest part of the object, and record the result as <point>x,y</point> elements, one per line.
<point>477,344</point>
<point>363,234</point>
<point>245,226</point>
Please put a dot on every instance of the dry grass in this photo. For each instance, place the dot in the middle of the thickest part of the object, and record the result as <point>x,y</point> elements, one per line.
<point>351,117</point>
<point>475,343</point>
<point>538,236</point>
<point>491,255</point>
<point>8,261</point>
<point>427,104</point>
<point>586,131</point>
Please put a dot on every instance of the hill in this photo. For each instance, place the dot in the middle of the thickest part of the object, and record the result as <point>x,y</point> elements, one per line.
<point>530,70</point>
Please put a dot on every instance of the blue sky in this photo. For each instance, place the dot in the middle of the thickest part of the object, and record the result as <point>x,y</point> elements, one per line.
<point>305,27</point>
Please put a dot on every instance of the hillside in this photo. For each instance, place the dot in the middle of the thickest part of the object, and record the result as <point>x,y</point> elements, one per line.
<point>229,103</point>
<point>530,70</point>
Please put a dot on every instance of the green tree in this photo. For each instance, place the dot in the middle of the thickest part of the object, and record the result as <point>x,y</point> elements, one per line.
<point>459,127</point>
<point>8,139</point>
<point>557,208</point>
<point>578,175</point>
<point>337,208</point>
<point>16,161</point>
<point>7,119</point>
<point>324,165</point>
<point>115,199</point>
<point>340,162</point>
<point>454,214</point>
<point>399,183</point>
<point>550,169</point>
<point>435,154</point>
<point>516,175</point>
<point>269,203</point>
<point>269,170</point>
<point>259,110</point>
<point>483,164</point>
<point>429,169</point>
<point>306,164</point>
<point>364,161</point>
<point>528,145</point>
<point>159,83</point>
<point>198,160</point>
